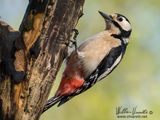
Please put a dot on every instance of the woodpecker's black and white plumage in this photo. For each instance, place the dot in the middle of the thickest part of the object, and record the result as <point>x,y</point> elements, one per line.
<point>94,59</point>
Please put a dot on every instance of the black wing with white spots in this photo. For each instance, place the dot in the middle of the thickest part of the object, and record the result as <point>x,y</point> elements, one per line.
<point>103,69</point>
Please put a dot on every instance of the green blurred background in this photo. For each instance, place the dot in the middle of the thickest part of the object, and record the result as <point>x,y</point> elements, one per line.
<point>135,82</point>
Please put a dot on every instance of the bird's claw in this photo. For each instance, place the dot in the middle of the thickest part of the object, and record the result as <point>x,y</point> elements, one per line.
<point>74,42</point>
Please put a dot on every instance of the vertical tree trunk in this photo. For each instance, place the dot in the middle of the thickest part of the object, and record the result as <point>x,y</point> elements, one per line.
<point>49,22</point>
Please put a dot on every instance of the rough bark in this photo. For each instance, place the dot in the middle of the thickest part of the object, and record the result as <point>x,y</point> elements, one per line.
<point>50,22</point>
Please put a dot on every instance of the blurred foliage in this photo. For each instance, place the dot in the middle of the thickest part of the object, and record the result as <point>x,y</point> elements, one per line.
<point>135,82</point>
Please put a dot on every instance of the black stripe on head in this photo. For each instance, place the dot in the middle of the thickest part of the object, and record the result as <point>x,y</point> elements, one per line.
<point>120,15</point>
<point>124,33</point>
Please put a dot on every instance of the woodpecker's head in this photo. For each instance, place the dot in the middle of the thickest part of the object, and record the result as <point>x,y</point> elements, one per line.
<point>117,24</point>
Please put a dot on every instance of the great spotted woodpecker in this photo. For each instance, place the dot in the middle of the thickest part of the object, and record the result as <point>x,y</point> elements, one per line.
<point>94,59</point>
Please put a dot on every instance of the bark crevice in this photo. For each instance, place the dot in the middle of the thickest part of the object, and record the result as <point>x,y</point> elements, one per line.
<point>47,24</point>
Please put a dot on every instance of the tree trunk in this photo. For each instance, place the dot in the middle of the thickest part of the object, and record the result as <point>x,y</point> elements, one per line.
<point>47,24</point>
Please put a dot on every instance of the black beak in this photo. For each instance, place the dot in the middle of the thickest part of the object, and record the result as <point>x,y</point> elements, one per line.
<point>105,16</point>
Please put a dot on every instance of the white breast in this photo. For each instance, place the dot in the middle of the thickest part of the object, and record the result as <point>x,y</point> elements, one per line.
<point>95,49</point>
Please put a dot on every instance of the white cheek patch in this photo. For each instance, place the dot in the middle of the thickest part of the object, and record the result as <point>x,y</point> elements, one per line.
<point>125,25</point>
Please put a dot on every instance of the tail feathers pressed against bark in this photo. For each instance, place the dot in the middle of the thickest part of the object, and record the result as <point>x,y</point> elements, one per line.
<point>54,100</point>
<point>51,102</point>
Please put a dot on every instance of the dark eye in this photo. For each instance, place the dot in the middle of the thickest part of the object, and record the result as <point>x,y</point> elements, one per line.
<point>120,19</point>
